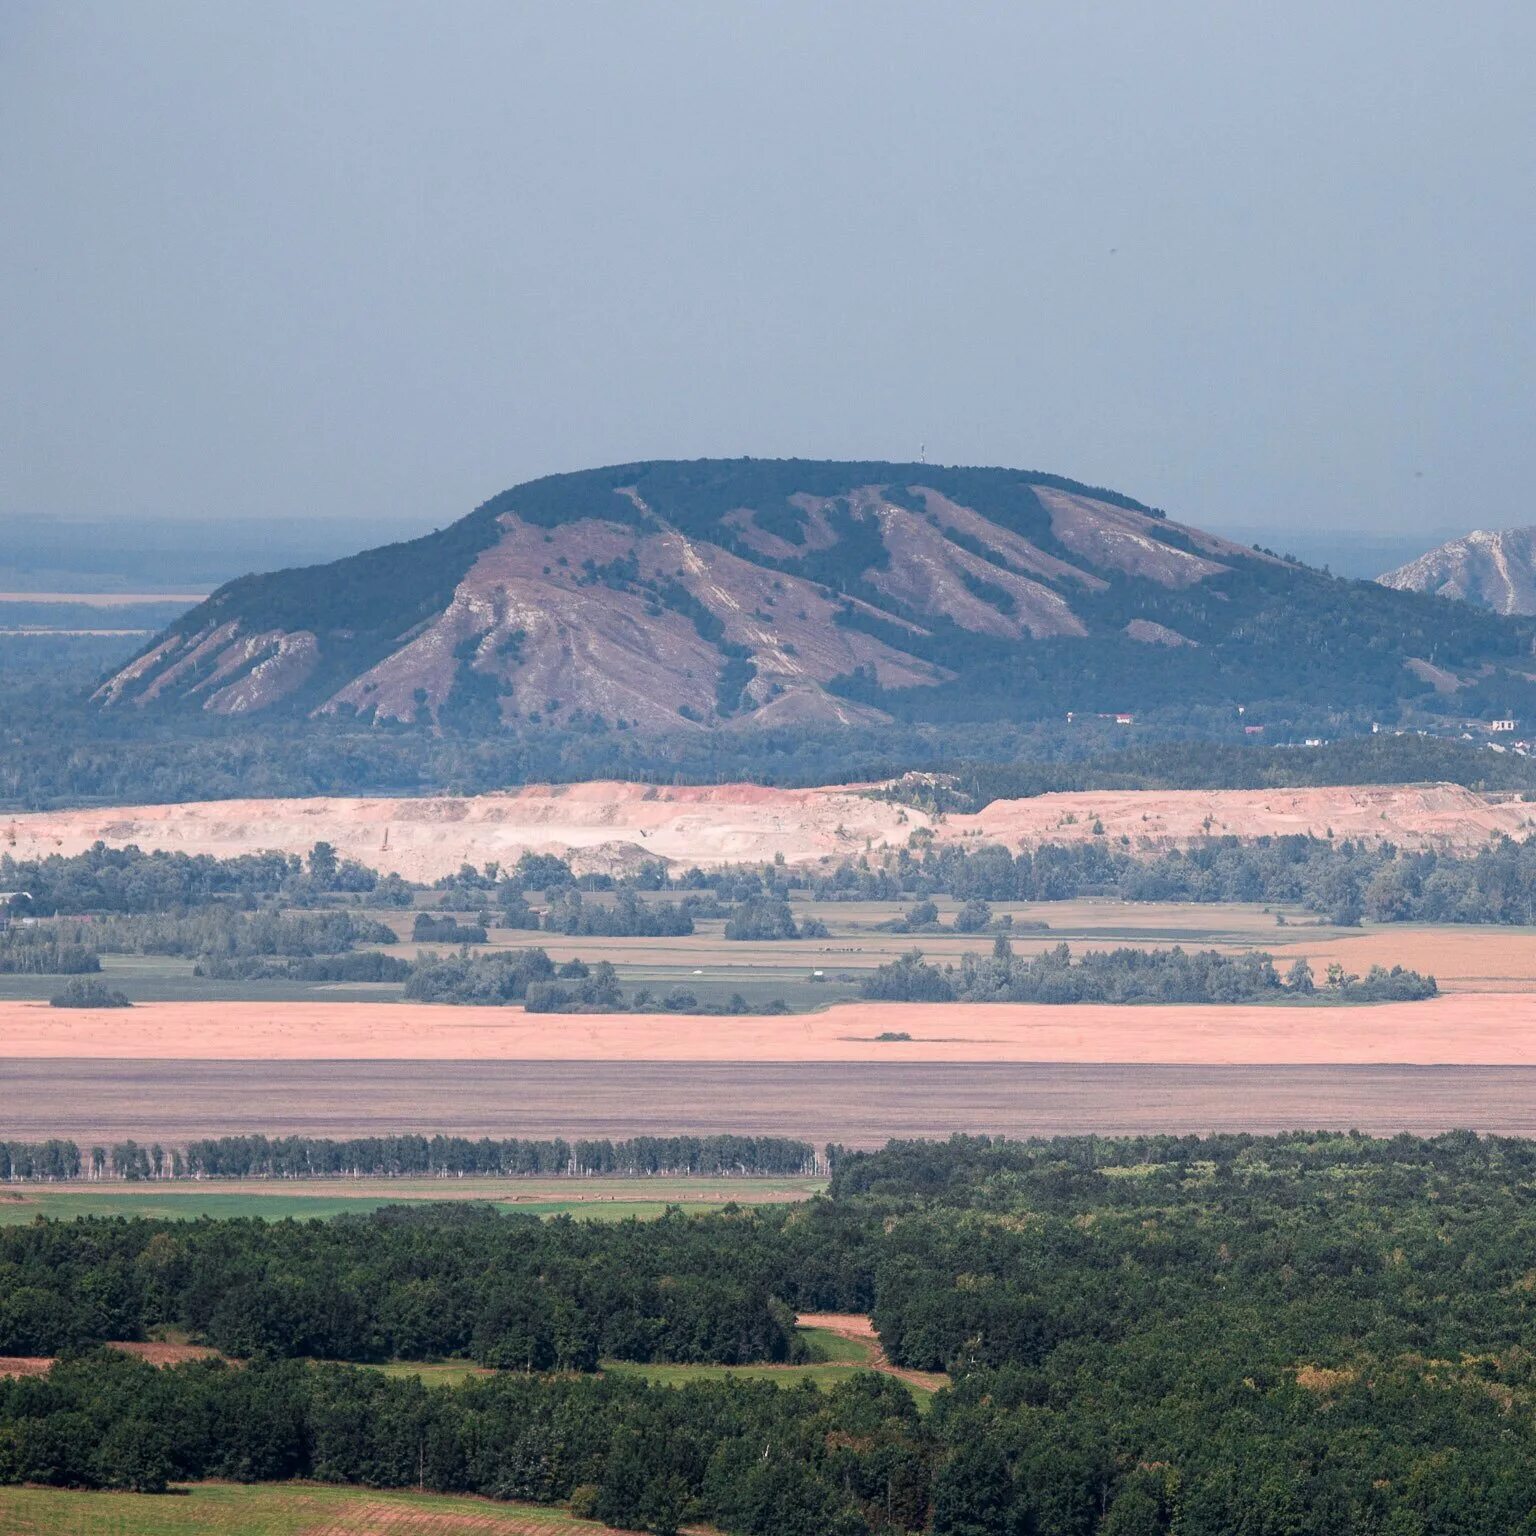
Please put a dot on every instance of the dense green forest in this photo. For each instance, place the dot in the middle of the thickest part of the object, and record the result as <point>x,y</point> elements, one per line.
<point>628,917</point>
<point>1289,1336</point>
<point>55,750</point>
<point>431,928</point>
<point>512,1291</point>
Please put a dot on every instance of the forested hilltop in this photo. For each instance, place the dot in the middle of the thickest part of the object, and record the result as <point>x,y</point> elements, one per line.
<point>672,598</point>
<point>1307,1334</point>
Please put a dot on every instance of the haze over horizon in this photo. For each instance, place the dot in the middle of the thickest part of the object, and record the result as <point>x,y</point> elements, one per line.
<point>368,264</point>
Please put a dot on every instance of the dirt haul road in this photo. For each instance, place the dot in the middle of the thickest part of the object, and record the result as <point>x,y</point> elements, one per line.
<point>609,826</point>
<point>1469,1029</point>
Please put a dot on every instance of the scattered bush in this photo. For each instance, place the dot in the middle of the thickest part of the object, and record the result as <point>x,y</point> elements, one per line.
<point>83,993</point>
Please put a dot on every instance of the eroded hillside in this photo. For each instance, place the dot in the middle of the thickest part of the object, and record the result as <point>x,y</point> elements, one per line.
<point>672,597</point>
<point>1493,570</point>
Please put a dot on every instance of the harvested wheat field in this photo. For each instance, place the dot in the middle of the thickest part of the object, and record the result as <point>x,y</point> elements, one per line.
<point>1460,959</point>
<point>613,826</point>
<point>277,1509</point>
<point>153,1353</point>
<point>24,1365</point>
<point>1465,1028</point>
<point>160,1352</point>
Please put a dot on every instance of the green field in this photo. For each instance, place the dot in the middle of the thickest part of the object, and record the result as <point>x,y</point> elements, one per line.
<point>169,979</point>
<point>589,1199</point>
<point>779,1375</point>
<point>65,1204</point>
<point>284,1509</point>
<point>836,1348</point>
<point>836,1359</point>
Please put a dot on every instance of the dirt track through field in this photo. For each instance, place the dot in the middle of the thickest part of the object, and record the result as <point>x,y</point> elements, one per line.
<point>1487,1029</point>
<point>857,1104</point>
<point>859,1327</point>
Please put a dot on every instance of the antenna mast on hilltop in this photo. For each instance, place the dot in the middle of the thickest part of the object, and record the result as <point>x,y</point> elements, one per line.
<point>922,453</point>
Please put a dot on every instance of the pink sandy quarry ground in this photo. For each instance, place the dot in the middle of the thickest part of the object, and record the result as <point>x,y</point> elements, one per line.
<point>610,825</point>
<point>1470,1029</point>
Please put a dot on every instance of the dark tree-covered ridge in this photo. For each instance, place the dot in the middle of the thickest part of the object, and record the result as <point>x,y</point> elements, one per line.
<point>867,594</point>
<point>1308,1334</point>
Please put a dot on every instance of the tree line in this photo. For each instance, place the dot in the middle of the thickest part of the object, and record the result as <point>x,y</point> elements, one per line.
<point>230,944</point>
<point>1131,976</point>
<point>224,932</point>
<point>127,879</point>
<point>319,1157</point>
<point>44,952</point>
<point>1345,881</point>
<point>530,977</point>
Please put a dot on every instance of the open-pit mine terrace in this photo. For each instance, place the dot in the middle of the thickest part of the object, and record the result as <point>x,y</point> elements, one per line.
<point>608,826</point>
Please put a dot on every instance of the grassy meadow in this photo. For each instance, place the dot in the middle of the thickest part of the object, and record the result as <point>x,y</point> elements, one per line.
<point>835,1358</point>
<point>594,1199</point>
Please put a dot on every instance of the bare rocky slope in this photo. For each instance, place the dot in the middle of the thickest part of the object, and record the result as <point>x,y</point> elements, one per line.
<point>684,597</point>
<point>612,827</point>
<point>1492,570</point>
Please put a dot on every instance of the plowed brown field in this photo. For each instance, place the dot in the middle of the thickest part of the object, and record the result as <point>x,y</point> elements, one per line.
<point>860,1104</point>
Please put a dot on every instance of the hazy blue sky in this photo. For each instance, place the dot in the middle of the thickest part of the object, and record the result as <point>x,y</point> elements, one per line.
<point>1266,264</point>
